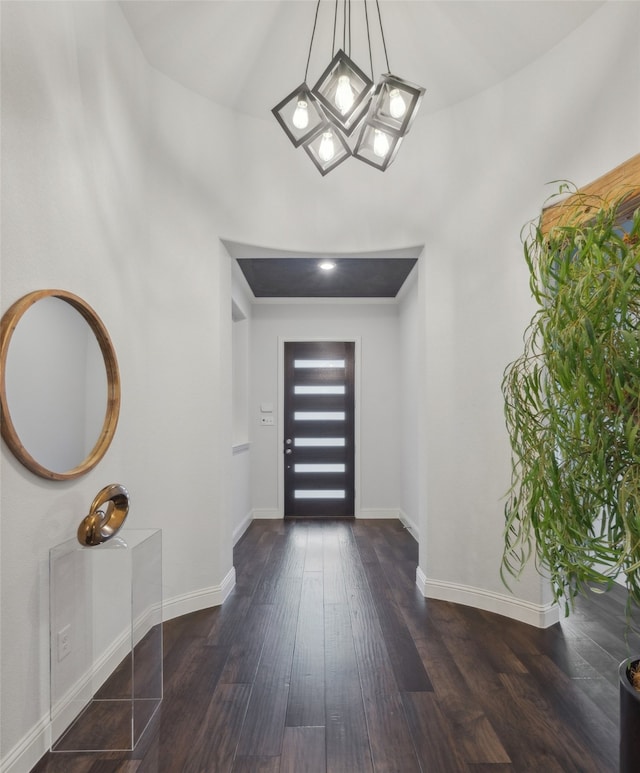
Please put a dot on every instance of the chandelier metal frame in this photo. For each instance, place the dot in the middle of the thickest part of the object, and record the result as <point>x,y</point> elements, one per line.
<point>345,114</point>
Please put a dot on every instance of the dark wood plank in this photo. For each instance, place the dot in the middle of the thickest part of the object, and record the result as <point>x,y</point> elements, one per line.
<point>334,587</point>
<point>63,763</point>
<point>547,729</point>
<point>286,561</point>
<point>497,649</point>
<point>264,724</point>
<point>405,660</point>
<point>310,665</point>
<point>197,624</point>
<point>353,571</point>
<point>389,737</point>
<point>187,698</point>
<point>390,541</point>
<point>255,765</point>
<point>230,622</point>
<point>415,610</point>
<point>401,577</point>
<point>303,750</point>
<point>305,705</point>
<point>582,717</point>
<point>246,650</point>
<point>313,559</point>
<point>436,745</point>
<point>214,746</point>
<point>251,555</point>
<point>476,738</point>
<point>102,725</point>
<point>347,738</point>
<point>476,657</point>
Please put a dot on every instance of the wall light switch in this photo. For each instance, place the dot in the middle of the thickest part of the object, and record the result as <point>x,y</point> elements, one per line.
<point>266,407</point>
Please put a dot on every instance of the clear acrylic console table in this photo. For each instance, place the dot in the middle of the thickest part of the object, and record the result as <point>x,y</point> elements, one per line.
<point>106,641</point>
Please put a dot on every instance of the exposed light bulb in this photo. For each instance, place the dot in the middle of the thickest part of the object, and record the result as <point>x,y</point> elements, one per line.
<point>344,95</point>
<point>380,143</point>
<point>397,105</point>
<point>327,265</point>
<point>327,149</point>
<point>301,115</point>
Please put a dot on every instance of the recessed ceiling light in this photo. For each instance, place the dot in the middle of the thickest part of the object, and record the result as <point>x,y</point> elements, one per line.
<point>327,265</point>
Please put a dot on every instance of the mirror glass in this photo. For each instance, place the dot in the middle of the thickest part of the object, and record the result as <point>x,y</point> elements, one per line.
<point>60,384</point>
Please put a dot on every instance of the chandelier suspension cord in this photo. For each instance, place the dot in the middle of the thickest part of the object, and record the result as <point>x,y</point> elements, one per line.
<point>344,27</point>
<point>366,16</point>
<point>384,45</point>
<point>335,25</point>
<point>315,21</point>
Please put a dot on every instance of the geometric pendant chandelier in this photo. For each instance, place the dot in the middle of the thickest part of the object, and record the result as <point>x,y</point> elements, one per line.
<point>343,115</point>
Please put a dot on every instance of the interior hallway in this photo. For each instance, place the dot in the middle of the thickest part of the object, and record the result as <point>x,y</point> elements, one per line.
<point>327,658</point>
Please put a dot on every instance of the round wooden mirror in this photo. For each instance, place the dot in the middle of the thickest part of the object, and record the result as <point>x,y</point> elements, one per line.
<point>59,384</point>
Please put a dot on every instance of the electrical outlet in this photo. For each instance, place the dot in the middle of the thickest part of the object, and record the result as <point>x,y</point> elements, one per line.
<point>64,642</point>
<point>266,421</point>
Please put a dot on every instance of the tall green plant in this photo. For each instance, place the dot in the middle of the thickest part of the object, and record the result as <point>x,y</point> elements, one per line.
<point>572,408</point>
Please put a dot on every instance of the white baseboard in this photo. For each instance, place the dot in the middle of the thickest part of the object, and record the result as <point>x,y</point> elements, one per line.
<point>393,513</point>
<point>27,752</point>
<point>379,513</point>
<point>267,513</point>
<point>538,615</point>
<point>24,756</point>
<point>78,696</point>
<point>372,513</point>
<point>241,528</point>
<point>200,599</point>
<point>409,525</point>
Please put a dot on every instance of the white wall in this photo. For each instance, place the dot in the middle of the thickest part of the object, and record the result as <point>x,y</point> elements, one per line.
<point>374,327</point>
<point>113,188</point>
<point>240,310</point>
<point>241,462</point>
<point>108,185</point>
<point>240,379</point>
<point>491,157</point>
<point>411,395</point>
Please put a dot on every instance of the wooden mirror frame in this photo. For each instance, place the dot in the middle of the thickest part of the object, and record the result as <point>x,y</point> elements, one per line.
<point>621,182</point>
<point>10,320</point>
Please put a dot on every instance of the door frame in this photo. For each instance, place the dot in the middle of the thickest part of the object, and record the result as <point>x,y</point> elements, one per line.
<point>356,340</point>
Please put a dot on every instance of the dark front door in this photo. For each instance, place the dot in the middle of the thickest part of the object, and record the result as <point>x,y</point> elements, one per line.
<point>319,429</point>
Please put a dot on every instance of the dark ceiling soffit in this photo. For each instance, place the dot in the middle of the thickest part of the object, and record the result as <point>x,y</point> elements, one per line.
<point>302,277</point>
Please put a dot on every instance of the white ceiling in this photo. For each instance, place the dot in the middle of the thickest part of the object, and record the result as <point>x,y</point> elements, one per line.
<point>247,55</point>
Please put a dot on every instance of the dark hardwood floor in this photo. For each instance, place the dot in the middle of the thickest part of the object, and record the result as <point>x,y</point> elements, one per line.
<point>327,658</point>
